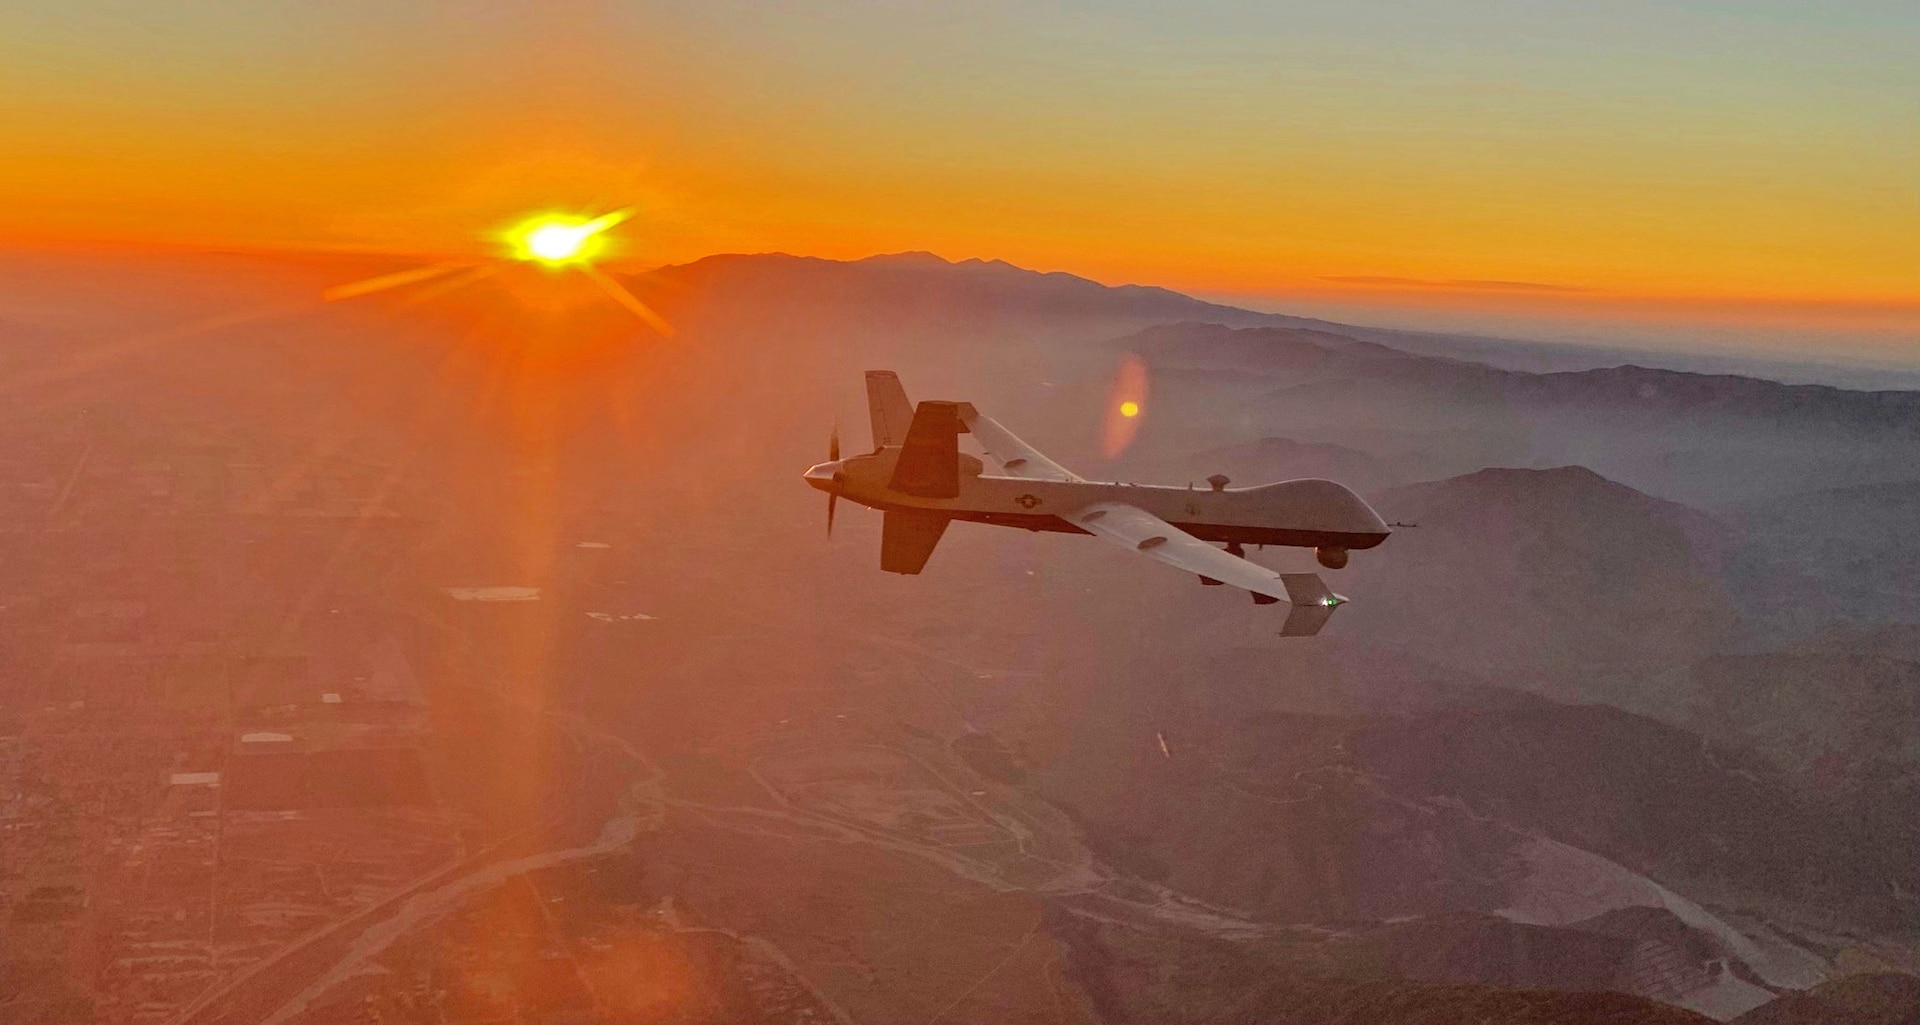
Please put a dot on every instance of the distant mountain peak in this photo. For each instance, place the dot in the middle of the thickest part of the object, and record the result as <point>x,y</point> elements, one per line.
<point>1536,576</point>
<point>909,258</point>
<point>1573,490</point>
<point>1570,477</point>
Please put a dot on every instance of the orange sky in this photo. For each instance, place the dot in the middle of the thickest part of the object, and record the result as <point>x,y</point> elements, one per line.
<point>1734,159</point>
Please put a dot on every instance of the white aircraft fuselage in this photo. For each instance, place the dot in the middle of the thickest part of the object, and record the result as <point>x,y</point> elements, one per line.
<point>919,479</point>
<point>1310,513</point>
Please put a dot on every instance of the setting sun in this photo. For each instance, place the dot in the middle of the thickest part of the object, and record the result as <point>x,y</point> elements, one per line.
<point>1129,409</point>
<point>556,240</point>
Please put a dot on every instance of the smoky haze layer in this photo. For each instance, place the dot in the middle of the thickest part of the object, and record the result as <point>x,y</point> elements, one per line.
<point>1619,726</point>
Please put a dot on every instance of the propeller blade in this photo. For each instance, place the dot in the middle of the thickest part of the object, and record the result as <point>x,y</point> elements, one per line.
<point>833,456</point>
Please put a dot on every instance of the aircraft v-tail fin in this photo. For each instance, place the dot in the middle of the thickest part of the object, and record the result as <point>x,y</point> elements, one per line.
<point>908,538</point>
<point>1312,604</point>
<point>887,405</point>
<point>929,465</point>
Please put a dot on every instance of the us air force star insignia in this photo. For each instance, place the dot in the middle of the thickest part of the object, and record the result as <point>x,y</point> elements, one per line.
<point>1027,501</point>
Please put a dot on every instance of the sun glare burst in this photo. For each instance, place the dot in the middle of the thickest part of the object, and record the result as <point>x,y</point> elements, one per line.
<point>559,240</point>
<point>555,241</point>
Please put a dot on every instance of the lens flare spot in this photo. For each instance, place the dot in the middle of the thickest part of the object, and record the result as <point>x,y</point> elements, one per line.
<point>1125,404</point>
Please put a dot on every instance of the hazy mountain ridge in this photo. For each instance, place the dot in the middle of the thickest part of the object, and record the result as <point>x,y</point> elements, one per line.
<point>1811,704</point>
<point>1646,389</point>
<point>1242,349</point>
<point>1511,354</point>
<point>920,280</point>
<point>1714,440</point>
<point>1857,540</point>
<point>1529,575</point>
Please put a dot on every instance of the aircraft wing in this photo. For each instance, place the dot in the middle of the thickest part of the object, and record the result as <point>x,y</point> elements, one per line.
<point>1132,527</point>
<point>1016,457</point>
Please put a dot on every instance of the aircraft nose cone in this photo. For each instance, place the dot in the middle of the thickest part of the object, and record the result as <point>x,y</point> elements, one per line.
<point>824,475</point>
